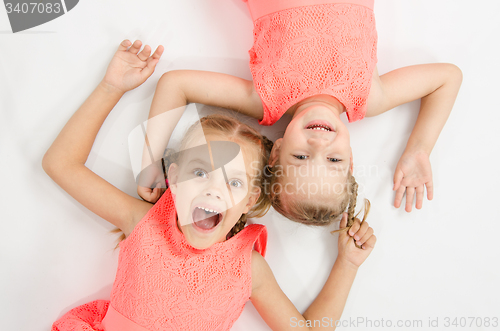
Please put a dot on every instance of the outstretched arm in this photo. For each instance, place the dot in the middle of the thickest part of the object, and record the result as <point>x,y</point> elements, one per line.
<point>65,160</point>
<point>437,86</point>
<point>277,310</point>
<point>174,91</point>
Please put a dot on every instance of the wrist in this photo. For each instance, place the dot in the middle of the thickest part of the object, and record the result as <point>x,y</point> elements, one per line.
<point>110,89</point>
<point>418,147</point>
<point>345,264</point>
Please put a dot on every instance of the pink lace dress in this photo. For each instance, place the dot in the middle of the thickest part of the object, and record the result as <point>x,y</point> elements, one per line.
<point>304,48</point>
<point>163,283</point>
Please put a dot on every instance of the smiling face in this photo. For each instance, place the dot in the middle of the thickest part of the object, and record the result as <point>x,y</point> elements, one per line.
<point>314,153</point>
<point>211,198</point>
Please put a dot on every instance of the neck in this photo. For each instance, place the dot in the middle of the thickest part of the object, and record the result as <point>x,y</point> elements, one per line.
<point>326,100</point>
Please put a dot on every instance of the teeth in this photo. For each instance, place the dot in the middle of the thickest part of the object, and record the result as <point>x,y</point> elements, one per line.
<point>208,210</point>
<point>319,127</point>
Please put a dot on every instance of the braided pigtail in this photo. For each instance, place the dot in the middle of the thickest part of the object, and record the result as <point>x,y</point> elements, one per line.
<point>240,225</point>
<point>353,196</point>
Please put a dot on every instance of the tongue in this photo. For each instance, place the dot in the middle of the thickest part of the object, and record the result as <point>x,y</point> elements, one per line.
<point>205,220</point>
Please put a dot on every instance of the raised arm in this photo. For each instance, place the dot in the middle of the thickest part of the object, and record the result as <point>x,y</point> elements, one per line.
<point>437,86</point>
<point>277,310</point>
<point>65,160</point>
<point>174,91</point>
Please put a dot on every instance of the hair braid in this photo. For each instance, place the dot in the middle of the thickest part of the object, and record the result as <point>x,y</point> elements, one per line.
<point>353,195</point>
<point>238,226</point>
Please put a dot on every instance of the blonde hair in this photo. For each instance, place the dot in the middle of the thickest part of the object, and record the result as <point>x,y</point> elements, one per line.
<point>233,130</point>
<point>306,212</point>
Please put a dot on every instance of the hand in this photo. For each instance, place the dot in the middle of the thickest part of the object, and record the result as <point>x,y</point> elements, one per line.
<point>151,195</point>
<point>412,173</point>
<point>129,68</point>
<point>151,183</point>
<point>362,234</point>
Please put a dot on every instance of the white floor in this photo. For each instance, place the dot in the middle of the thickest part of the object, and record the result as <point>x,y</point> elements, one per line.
<point>432,265</point>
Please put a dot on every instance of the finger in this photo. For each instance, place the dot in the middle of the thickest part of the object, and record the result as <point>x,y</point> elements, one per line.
<point>124,45</point>
<point>399,196</point>
<point>398,177</point>
<point>410,193</point>
<point>370,243</point>
<point>146,195</point>
<point>343,221</point>
<point>159,51</point>
<point>362,230</point>
<point>136,46</point>
<point>354,227</point>
<point>430,190</point>
<point>144,54</point>
<point>366,236</point>
<point>149,68</point>
<point>156,195</point>
<point>143,191</point>
<point>420,196</point>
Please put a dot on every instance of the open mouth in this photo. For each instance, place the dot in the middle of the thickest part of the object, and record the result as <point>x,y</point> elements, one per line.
<point>319,126</point>
<point>206,219</point>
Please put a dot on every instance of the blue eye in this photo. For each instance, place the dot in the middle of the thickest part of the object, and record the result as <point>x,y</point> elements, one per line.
<point>200,173</point>
<point>300,157</point>
<point>332,159</point>
<point>236,183</point>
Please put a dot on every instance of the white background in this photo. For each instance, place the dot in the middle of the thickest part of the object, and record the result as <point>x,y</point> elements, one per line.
<point>439,262</point>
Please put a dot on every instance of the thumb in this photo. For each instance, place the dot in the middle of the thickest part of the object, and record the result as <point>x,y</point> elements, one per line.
<point>149,68</point>
<point>398,177</point>
<point>343,224</point>
<point>144,192</point>
<point>343,221</point>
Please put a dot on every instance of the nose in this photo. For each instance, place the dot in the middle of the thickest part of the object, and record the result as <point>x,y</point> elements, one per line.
<point>215,186</point>
<point>318,143</point>
<point>214,194</point>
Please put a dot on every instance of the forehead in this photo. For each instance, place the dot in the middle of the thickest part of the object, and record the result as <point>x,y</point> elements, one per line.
<point>319,199</point>
<point>302,185</point>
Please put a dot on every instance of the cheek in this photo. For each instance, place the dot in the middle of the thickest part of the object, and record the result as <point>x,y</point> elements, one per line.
<point>291,130</point>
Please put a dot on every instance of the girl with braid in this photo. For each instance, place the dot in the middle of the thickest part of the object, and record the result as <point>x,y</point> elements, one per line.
<point>315,60</point>
<point>188,262</point>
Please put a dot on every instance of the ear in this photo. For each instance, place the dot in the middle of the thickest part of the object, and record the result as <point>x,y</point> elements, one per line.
<point>275,152</point>
<point>252,199</point>
<point>173,176</point>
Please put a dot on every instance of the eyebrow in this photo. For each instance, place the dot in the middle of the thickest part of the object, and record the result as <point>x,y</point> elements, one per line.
<point>200,161</point>
<point>233,172</point>
<point>296,163</point>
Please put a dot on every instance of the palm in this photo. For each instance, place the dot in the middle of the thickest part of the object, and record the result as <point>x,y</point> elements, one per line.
<point>413,172</point>
<point>128,68</point>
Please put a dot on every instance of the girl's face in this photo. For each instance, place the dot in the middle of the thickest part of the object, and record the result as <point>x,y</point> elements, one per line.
<point>210,197</point>
<point>315,152</point>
